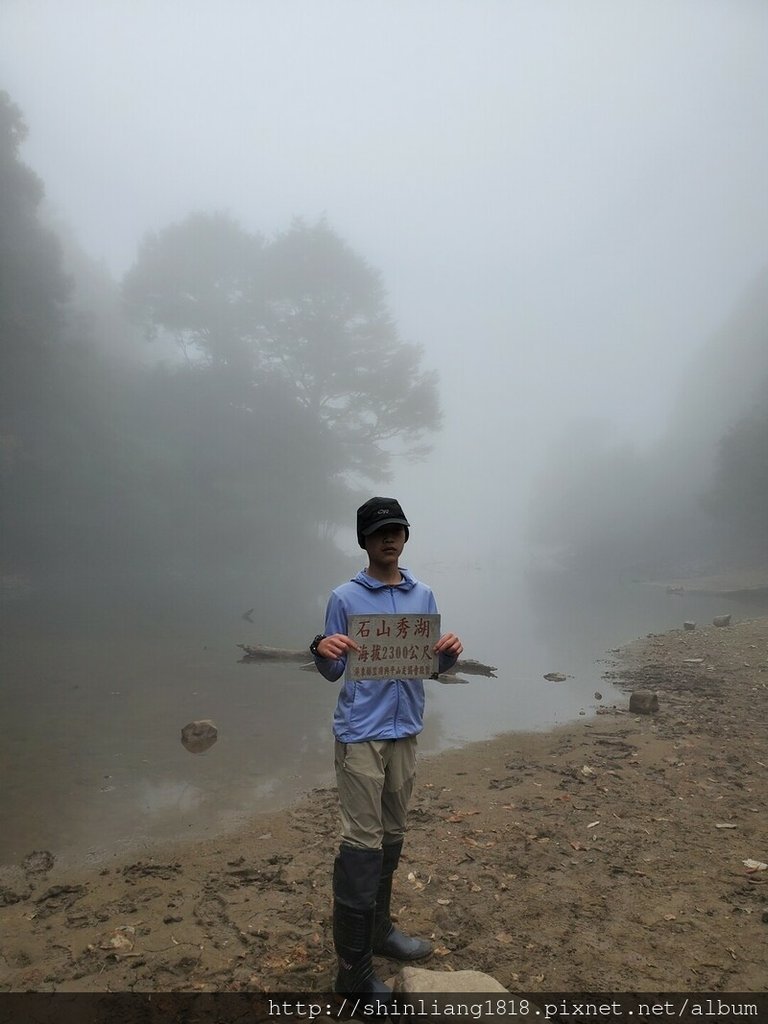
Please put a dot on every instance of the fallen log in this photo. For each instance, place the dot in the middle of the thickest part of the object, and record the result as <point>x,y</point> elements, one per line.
<point>261,652</point>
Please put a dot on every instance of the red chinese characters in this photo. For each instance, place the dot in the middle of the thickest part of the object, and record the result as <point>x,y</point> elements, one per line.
<point>393,646</point>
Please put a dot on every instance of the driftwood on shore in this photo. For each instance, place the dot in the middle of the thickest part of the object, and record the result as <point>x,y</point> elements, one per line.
<point>261,652</point>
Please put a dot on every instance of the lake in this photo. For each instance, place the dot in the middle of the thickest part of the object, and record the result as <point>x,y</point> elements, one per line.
<point>97,688</point>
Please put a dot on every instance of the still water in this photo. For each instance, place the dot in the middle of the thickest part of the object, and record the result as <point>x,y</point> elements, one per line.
<point>96,690</point>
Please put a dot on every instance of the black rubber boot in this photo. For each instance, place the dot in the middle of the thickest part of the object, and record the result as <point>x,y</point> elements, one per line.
<point>388,940</point>
<point>356,875</point>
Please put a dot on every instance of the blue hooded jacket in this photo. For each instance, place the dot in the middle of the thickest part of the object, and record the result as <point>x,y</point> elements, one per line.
<point>377,709</point>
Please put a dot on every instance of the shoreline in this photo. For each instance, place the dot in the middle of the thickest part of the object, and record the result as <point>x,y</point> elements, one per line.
<point>738,585</point>
<point>605,854</point>
<point>175,847</point>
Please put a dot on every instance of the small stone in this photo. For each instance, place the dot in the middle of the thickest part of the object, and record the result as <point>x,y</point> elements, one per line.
<point>689,625</point>
<point>643,702</point>
<point>721,620</point>
<point>199,736</point>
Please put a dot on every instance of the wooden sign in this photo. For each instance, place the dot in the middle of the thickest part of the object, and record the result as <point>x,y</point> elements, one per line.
<point>393,646</point>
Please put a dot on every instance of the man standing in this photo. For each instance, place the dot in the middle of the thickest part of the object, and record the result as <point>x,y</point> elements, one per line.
<point>375,725</point>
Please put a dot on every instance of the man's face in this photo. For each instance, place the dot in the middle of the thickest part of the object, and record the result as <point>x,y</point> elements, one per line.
<point>385,545</point>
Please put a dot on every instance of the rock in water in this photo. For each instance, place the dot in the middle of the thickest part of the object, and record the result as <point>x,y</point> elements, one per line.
<point>643,702</point>
<point>199,736</point>
<point>555,677</point>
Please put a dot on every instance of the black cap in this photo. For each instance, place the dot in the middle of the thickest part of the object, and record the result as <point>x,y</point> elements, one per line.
<point>377,512</point>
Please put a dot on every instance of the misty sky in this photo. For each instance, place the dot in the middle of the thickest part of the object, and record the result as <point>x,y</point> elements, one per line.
<point>565,199</point>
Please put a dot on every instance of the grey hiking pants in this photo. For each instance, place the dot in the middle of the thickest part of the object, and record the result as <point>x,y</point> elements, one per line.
<point>375,781</point>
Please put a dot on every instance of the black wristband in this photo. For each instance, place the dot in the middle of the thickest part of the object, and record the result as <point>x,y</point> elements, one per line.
<point>315,642</point>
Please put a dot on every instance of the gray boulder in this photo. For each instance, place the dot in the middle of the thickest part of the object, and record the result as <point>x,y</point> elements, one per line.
<point>418,979</point>
<point>447,995</point>
<point>199,736</point>
<point>644,702</point>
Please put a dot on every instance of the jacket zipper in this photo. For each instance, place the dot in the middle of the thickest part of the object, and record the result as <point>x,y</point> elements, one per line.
<point>397,684</point>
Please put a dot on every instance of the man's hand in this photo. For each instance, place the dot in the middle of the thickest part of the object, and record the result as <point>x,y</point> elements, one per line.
<point>449,644</point>
<point>336,646</point>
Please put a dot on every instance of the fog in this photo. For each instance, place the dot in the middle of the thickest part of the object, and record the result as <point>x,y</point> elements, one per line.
<point>564,201</point>
<point>565,206</point>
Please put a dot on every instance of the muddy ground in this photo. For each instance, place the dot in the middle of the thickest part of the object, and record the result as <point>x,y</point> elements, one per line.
<point>604,856</point>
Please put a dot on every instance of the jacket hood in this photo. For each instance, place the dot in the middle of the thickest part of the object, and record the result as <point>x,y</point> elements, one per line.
<point>406,583</point>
